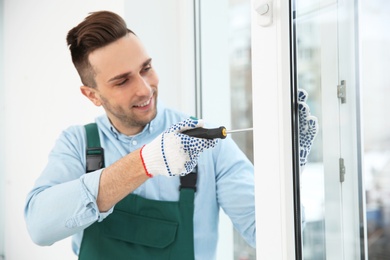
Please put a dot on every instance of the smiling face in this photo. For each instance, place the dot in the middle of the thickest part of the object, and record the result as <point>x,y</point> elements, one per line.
<point>126,84</point>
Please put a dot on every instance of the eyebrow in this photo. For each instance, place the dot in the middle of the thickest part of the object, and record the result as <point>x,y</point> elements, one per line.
<point>127,74</point>
<point>120,76</point>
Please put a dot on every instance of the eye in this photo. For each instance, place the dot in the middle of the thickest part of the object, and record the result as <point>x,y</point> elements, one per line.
<point>122,82</point>
<point>147,67</point>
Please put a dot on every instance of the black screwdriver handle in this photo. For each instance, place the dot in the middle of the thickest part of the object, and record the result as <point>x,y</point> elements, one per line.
<point>207,133</point>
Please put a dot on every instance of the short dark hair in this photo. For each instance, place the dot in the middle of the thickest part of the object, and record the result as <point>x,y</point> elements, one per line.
<point>96,31</point>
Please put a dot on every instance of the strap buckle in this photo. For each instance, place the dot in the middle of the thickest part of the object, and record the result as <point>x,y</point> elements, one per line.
<point>94,159</point>
<point>189,181</point>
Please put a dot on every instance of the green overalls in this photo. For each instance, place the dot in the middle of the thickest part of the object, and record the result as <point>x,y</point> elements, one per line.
<point>140,228</point>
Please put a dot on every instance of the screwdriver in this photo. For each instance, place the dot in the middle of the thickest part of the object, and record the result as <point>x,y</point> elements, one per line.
<point>211,133</point>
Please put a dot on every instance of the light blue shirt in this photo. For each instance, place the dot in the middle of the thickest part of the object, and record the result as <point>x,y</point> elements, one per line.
<point>62,202</point>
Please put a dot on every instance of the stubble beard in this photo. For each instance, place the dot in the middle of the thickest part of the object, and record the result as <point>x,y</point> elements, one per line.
<point>127,118</point>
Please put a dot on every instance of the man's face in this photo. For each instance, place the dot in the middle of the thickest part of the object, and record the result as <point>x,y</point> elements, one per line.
<point>126,84</point>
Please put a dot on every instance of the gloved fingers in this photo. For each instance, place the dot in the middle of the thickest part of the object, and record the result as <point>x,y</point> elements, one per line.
<point>302,95</point>
<point>189,166</point>
<point>303,154</point>
<point>189,123</point>
<point>303,114</point>
<point>173,153</point>
<point>306,139</point>
<point>308,127</point>
<point>196,145</point>
<point>305,144</point>
<point>303,110</point>
<point>193,147</point>
<point>312,126</point>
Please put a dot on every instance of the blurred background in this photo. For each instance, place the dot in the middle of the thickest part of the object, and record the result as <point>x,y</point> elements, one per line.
<point>207,55</point>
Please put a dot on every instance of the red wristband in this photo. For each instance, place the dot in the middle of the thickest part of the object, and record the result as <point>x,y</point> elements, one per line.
<point>143,163</point>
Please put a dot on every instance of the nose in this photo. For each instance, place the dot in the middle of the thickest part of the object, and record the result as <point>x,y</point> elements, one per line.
<point>143,86</point>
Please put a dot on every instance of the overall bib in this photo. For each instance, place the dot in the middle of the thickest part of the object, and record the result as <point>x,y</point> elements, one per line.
<point>144,229</point>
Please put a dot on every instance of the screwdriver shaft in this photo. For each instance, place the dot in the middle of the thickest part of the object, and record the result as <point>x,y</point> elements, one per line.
<point>239,130</point>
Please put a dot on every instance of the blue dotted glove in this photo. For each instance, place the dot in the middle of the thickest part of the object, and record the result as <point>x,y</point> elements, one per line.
<point>173,153</point>
<point>308,127</point>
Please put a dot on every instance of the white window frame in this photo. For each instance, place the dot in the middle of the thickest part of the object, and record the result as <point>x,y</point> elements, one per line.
<point>2,135</point>
<point>272,134</point>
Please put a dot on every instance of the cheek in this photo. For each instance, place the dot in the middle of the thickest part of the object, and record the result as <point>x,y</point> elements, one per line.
<point>124,98</point>
<point>156,79</point>
<point>114,98</point>
<point>153,79</point>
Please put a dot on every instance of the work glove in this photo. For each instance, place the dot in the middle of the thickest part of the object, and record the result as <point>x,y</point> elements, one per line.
<point>173,153</point>
<point>308,127</point>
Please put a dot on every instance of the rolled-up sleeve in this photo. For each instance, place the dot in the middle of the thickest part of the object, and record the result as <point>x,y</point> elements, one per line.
<point>63,200</point>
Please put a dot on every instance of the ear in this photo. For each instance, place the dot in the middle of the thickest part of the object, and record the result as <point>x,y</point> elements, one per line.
<point>91,94</point>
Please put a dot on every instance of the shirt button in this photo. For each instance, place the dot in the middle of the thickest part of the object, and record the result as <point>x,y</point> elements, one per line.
<point>134,142</point>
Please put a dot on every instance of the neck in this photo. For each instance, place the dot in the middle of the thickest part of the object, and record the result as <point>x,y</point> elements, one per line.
<point>126,130</point>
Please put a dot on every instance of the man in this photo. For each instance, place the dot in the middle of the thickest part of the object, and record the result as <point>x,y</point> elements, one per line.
<point>137,206</point>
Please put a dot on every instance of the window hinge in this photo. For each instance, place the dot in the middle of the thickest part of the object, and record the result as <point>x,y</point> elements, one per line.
<point>341,169</point>
<point>341,92</point>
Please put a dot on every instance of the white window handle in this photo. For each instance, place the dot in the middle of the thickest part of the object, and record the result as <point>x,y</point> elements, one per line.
<point>264,12</point>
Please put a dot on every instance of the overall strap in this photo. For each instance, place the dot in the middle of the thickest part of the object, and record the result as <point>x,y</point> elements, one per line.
<point>189,181</point>
<point>94,153</point>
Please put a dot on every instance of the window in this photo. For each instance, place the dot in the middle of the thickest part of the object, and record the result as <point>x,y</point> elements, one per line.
<point>224,49</point>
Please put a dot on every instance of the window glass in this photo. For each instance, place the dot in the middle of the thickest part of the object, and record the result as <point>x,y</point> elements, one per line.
<point>308,74</point>
<point>330,184</point>
<point>375,61</point>
<point>240,72</point>
<point>224,47</point>
<point>241,93</point>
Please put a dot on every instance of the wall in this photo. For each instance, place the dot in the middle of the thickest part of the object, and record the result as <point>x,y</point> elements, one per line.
<point>41,97</point>
<point>166,29</point>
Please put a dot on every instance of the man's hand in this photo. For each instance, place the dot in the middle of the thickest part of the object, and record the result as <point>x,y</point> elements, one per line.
<point>173,153</point>
<point>308,127</point>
